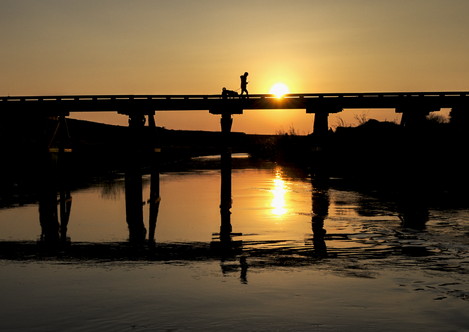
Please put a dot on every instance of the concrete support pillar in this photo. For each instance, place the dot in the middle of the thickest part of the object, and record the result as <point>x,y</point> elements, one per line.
<point>226,122</point>
<point>415,116</point>
<point>133,180</point>
<point>321,116</point>
<point>459,117</point>
<point>321,123</point>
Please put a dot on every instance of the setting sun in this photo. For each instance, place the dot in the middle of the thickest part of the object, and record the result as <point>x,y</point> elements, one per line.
<point>279,90</point>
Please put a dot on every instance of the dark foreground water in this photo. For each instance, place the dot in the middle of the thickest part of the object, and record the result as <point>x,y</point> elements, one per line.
<point>304,256</point>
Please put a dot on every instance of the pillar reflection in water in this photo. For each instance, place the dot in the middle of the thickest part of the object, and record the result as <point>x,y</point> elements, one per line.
<point>54,229</point>
<point>320,211</point>
<point>65,209</point>
<point>225,190</point>
<point>226,247</point>
<point>133,180</point>
<point>65,197</point>
<point>48,217</point>
<point>52,180</point>
<point>155,199</point>
<point>413,209</point>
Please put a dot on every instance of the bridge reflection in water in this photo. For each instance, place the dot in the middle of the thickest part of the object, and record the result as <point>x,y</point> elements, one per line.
<point>53,184</point>
<point>233,248</point>
<point>54,188</point>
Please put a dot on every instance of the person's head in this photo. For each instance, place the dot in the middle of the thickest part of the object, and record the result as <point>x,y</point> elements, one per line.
<point>246,74</point>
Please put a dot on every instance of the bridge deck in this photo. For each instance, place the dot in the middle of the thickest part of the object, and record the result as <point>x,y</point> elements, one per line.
<point>325,102</point>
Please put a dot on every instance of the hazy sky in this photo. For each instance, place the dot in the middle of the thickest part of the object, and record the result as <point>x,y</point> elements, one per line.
<point>55,47</point>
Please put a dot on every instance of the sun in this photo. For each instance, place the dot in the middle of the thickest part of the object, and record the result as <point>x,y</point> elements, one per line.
<point>279,90</point>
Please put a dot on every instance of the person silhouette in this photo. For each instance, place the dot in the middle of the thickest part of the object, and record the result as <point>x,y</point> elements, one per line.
<point>244,83</point>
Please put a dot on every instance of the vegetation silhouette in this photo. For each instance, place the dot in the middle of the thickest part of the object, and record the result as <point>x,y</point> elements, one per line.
<point>382,154</point>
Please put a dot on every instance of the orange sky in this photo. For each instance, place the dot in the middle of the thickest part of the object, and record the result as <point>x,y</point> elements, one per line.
<point>53,47</point>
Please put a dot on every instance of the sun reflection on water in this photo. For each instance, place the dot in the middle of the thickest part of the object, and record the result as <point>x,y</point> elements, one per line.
<point>279,192</point>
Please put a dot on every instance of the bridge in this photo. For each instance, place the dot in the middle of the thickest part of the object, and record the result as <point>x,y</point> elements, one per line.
<point>414,106</point>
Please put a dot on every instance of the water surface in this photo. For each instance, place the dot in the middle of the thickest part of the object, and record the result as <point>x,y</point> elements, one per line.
<point>304,255</point>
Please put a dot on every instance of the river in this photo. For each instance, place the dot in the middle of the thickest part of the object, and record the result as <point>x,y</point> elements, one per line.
<point>302,255</point>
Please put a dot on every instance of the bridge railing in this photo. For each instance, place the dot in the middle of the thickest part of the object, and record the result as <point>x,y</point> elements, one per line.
<point>218,96</point>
